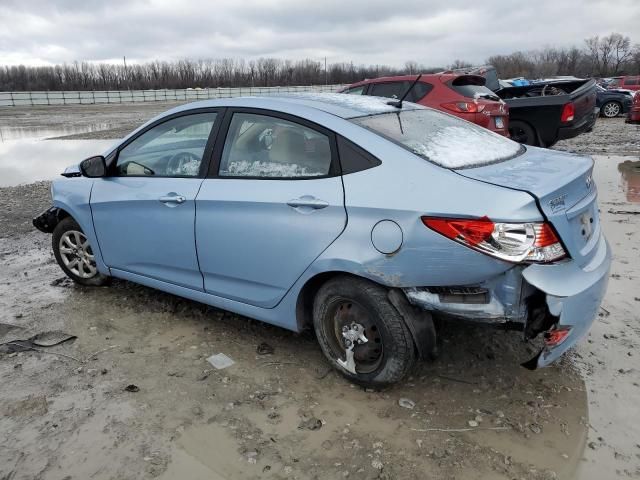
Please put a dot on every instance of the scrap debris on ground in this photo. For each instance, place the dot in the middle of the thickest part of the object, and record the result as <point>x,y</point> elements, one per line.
<point>145,401</point>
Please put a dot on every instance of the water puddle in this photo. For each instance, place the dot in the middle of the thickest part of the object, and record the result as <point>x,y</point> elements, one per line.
<point>618,175</point>
<point>9,133</point>
<point>630,180</point>
<point>29,160</point>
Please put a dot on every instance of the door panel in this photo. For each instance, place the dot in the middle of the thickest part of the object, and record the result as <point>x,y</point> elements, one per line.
<point>146,226</point>
<point>256,237</point>
<point>144,213</point>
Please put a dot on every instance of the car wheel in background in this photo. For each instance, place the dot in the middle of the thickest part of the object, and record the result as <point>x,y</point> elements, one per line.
<point>361,333</point>
<point>74,254</point>
<point>610,109</point>
<point>522,132</point>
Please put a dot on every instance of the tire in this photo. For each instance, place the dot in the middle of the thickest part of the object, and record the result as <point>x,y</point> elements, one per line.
<point>611,109</point>
<point>74,255</point>
<point>389,353</point>
<point>522,132</point>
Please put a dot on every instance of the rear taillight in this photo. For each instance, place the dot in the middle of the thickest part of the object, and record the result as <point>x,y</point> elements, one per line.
<point>556,336</point>
<point>513,242</point>
<point>463,107</point>
<point>568,112</point>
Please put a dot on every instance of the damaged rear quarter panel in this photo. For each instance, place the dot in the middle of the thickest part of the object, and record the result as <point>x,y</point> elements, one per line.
<point>411,187</point>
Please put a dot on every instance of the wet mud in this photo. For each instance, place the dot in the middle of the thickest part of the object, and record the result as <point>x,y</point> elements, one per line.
<point>69,411</point>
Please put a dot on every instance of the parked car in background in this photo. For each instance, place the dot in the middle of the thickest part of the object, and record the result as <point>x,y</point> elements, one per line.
<point>464,96</point>
<point>630,82</point>
<point>544,112</point>
<point>346,214</point>
<point>613,102</point>
<point>634,112</point>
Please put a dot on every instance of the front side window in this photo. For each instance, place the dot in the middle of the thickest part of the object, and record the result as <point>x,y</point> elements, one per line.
<point>632,81</point>
<point>442,139</point>
<point>172,149</point>
<point>262,146</point>
<point>355,90</point>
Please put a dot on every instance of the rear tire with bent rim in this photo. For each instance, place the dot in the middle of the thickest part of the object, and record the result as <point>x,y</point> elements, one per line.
<point>74,254</point>
<point>349,307</point>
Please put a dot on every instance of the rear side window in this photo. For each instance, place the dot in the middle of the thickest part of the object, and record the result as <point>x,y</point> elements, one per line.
<point>442,139</point>
<point>632,81</point>
<point>353,158</point>
<point>397,89</point>
<point>388,89</point>
<point>262,146</point>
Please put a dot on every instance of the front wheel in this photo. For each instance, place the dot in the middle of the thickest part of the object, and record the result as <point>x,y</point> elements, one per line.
<point>610,109</point>
<point>75,255</point>
<point>361,333</point>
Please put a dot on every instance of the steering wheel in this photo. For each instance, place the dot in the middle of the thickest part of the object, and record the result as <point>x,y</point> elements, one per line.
<point>179,160</point>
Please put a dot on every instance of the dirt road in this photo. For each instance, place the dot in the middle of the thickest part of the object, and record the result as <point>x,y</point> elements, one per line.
<point>134,397</point>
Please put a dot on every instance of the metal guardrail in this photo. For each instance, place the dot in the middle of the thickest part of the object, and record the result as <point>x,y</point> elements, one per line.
<point>91,97</point>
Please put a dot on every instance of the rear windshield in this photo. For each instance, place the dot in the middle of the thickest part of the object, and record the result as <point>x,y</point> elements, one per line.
<point>475,91</point>
<point>442,139</point>
<point>472,86</point>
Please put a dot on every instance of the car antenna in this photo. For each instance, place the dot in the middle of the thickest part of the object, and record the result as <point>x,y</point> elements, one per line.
<point>398,103</point>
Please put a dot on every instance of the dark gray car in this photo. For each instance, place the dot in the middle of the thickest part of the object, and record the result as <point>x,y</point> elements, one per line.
<point>613,102</point>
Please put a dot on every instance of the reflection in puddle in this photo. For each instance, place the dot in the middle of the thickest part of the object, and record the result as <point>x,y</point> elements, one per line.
<point>630,179</point>
<point>8,133</point>
<point>26,161</point>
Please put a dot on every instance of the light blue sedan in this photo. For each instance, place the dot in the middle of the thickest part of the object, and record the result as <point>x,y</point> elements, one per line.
<point>357,216</point>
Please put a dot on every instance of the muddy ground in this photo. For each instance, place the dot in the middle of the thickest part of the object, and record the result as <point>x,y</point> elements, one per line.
<point>134,397</point>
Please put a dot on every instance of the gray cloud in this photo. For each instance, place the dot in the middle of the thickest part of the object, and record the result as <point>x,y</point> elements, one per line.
<point>431,32</point>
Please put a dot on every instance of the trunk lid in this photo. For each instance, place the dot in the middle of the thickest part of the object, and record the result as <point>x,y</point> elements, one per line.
<point>562,184</point>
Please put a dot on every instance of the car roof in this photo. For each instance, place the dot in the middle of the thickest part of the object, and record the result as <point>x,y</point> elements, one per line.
<point>339,104</point>
<point>424,77</point>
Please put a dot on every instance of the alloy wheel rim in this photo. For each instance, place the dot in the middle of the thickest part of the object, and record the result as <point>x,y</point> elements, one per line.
<point>611,110</point>
<point>76,254</point>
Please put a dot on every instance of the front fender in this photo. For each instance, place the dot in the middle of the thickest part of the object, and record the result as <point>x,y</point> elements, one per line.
<point>74,197</point>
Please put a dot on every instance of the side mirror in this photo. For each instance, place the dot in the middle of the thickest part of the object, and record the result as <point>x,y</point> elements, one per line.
<point>94,167</point>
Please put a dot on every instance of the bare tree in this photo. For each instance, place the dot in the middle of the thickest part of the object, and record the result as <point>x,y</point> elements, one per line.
<point>622,51</point>
<point>600,56</point>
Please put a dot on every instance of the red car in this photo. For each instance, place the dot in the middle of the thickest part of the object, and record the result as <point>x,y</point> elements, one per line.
<point>464,96</point>
<point>631,82</point>
<point>634,112</point>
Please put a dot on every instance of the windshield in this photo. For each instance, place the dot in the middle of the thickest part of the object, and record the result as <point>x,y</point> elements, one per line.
<point>442,139</point>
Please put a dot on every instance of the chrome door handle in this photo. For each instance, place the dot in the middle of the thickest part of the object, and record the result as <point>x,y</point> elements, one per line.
<point>173,199</point>
<point>309,202</point>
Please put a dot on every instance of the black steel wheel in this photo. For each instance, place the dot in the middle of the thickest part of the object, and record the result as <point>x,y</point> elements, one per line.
<point>354,314</point>
<point>522,132</point>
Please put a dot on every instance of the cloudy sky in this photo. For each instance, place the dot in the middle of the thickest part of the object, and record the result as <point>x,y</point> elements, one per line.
<point>431,32</point>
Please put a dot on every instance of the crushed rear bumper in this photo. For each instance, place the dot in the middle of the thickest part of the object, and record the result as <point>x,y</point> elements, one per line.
<point>573,295</point>
<point>554,300</point>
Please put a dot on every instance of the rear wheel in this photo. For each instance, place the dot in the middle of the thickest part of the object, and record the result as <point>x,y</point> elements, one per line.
<point>361,333</point>
<point>75,255</point>
<point>522,132</point>
<point>610,109</point>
